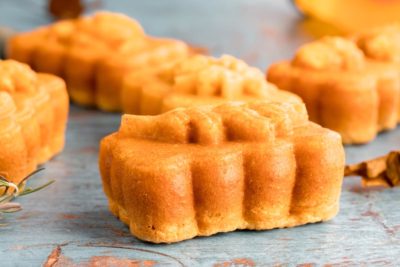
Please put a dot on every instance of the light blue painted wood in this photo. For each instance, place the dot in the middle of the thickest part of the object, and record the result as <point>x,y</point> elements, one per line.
<point>73,212</point>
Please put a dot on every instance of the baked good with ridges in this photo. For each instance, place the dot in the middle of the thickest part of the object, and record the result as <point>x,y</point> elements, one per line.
<point>196,80</point>
<point>342,89</point>
<point>381,44</point>
<point>33,118</point>
<point>201,170</point>
<point>93,54</point>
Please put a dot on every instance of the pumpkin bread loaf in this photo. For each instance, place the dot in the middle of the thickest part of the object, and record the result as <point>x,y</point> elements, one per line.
<point>197,171</point>
<point>33,117</point>
<point>342,89</point>
<point>196,80</point>
<point>93,54</point>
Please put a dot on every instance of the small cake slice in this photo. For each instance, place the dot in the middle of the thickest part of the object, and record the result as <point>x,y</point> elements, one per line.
<point>196,80</point>
<point>33,118</point>
<point>342,89</point>
<point>201,170</point>
<point>93,54</point>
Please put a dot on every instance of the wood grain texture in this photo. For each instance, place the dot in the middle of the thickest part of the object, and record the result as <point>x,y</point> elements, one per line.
<point>73,213</point>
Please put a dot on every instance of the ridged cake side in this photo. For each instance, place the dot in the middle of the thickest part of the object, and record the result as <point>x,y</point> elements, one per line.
<point>343,91</point>
<point>196,80</point>
<point>204,170</point>
<point>93,54</point>
<point>33,117</point>
<point>381,44</point>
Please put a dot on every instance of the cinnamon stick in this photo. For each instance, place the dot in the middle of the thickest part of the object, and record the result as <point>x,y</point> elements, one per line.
<point>381,171</point>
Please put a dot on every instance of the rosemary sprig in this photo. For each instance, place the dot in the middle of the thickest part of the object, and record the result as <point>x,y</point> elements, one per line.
<point>11,191</point>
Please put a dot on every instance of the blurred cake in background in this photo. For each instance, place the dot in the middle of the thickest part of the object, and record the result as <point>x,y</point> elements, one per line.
<point>197,80</point>
<point>380,43</point>
<point>93,54</point>
<point>343,89</point>
<point>347,16</point>
<point>33,118</point>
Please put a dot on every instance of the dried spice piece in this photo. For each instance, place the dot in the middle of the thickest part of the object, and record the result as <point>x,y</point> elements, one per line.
<point>9,191</point>
<point>68,9</point>
<point>5,33</point>
<point>65,9</point>
<point>198,49</point>
<point>382,171</point>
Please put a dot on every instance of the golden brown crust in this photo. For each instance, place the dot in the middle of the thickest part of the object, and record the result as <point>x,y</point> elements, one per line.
<point>329,53</point>
<point>342,89</point>
<point>93,54</point>
<point>203,170</point>
<point>33,116</point>
<point>196,80</point>
<point>382,44</point>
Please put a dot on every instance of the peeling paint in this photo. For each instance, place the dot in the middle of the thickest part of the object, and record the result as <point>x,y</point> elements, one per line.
<point>376,216</point>
<point>57,259</point>
<point>110,261</point>
<point>243,262</point>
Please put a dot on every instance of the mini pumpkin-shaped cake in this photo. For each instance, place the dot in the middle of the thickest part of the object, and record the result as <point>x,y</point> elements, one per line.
<point>93,54</point>
<point>196,80</point>
<point>33,117</point>
<point>381,44</point>
<point>342,89</point>
<point>201,170</point>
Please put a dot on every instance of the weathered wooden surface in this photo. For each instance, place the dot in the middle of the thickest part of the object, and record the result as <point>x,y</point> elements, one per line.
<point>70,220</point>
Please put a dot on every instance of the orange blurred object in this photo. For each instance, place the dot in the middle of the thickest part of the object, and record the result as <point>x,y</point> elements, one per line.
<point>33,118</point>
<point>93,54</point>
<point>348,15</point>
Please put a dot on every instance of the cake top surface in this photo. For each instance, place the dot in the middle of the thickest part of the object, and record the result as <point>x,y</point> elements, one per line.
<point>16,77</point>
<point>25,87</point>
<point>329,53</point>
<point>381,43</point>
<point>103,33</point>
<point>225,77</point>
<point>107,29</point>
<point>7,105</point>
<point>256,121</point>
